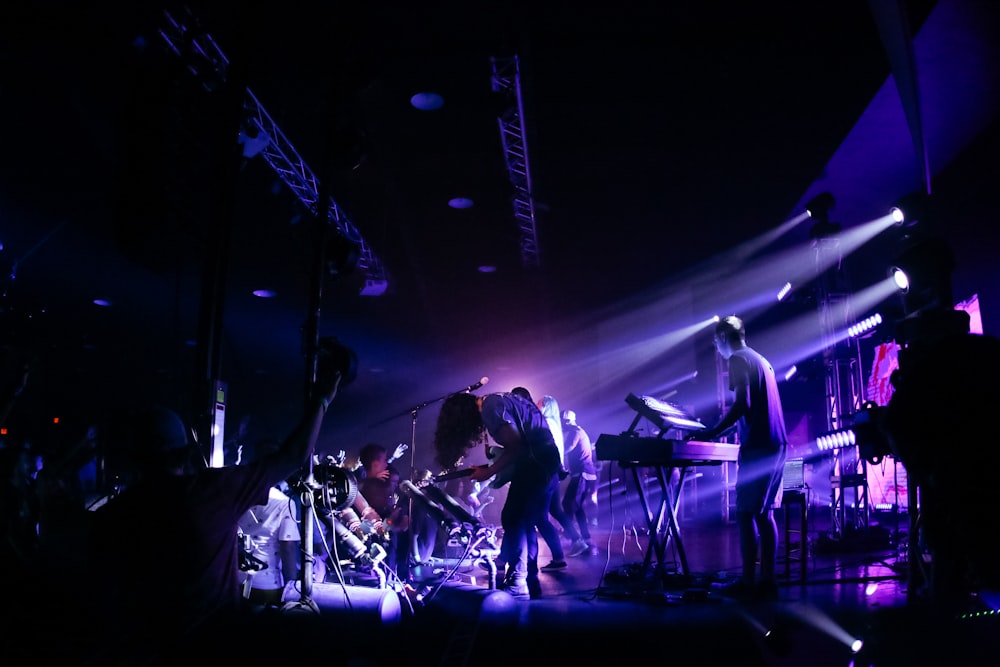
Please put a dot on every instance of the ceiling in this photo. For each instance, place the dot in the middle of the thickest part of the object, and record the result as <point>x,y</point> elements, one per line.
<point>659,137</point>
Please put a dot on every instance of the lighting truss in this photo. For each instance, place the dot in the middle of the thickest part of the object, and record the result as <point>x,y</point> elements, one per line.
<point>844,389</point>
<point>208,63</point>
<point>507,81</point>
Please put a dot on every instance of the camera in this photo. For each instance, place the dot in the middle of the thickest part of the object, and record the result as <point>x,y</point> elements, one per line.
<point>335,356</point>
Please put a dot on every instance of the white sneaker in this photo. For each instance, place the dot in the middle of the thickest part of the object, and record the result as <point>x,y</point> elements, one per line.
<point>579,548</point>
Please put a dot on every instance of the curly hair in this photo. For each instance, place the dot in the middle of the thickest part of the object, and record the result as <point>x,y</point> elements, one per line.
<point>459,428</point>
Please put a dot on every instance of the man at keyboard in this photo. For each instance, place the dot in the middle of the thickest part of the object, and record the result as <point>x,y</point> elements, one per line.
<point>757,414</point>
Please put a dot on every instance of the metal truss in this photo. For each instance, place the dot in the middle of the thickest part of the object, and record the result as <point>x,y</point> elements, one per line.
<point>844,396</point>
<point>261,135</point>
<point>507,81</point>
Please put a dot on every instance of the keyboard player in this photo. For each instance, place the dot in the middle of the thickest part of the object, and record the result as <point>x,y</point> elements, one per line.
<point>757,415</point>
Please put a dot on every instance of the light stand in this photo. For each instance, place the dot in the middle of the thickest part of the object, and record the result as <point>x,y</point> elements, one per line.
<point>334,255</point>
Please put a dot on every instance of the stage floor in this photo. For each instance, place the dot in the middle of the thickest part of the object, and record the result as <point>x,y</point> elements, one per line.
<point>611,604</point>
<point>608,605</point>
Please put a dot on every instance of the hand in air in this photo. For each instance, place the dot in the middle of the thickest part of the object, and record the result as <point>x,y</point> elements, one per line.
<point>327,384</point>
<point>398,453</point>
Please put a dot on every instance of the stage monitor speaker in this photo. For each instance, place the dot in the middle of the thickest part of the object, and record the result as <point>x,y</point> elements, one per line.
<point>379,606</point>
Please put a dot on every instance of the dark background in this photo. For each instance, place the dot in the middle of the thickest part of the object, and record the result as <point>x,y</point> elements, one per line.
<point>659,139</point>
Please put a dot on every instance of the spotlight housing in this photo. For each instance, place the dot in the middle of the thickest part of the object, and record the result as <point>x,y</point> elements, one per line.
<point>865,326</point>
<point>899,277</point>
<point>923,274</point>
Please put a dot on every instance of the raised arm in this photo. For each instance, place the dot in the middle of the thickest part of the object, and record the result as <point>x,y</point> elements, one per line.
<point>301,442</point>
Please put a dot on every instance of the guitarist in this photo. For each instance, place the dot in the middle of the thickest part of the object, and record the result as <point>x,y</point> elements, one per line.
<point>517,425</point>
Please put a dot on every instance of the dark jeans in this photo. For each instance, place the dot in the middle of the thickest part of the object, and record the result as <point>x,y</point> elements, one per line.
<point>577,492</point>
<point>527,507</point>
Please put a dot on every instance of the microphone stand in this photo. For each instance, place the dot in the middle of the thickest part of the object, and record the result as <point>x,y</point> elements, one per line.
<point>414,413</point>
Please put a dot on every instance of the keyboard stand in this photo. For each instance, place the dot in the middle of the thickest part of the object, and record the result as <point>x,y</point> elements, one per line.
<point>661,520</point>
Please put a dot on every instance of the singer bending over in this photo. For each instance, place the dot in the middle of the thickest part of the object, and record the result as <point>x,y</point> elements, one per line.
<point>529,456</point>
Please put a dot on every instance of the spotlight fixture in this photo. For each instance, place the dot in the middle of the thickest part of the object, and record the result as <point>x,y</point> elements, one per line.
<point>922,273</point>
<point>900,278</point>
<point>427,101</point>
<point>864,431</point>
<point>864,326</point>
<point>838,439</point>
<point>461,203</point>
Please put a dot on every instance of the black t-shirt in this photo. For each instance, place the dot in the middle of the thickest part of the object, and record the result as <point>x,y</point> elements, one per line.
<point>165,551</point>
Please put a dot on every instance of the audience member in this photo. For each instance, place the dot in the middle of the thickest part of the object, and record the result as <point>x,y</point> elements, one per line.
<point>271,543</point>
<point>951,375</point>
<point>19,504</point>
<point>380,487</point>
<point>150,603</point>
<point>270,540</point>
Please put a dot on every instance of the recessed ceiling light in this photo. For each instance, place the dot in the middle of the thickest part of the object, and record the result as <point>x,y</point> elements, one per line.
<point>265,293</point>
<point>461,202</point>
<point>427,101</point>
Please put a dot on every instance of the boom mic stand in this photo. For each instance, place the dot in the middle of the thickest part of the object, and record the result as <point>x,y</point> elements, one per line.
<point>414,412</point>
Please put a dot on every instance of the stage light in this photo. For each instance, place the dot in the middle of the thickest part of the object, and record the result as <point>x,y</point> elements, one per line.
<point>900,278</point>
<point>461,202</point>
<point>427,101</point>
<point>783,292</point>
<point>864,326</point>
<point>838,439</point>
<point>923,274</point>
<point>790,373</point>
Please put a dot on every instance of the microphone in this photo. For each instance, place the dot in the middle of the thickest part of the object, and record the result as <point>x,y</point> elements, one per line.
<point>357,551</point>
<point>432,508</point>
<point>451,505</point>
<point>475,385</point>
